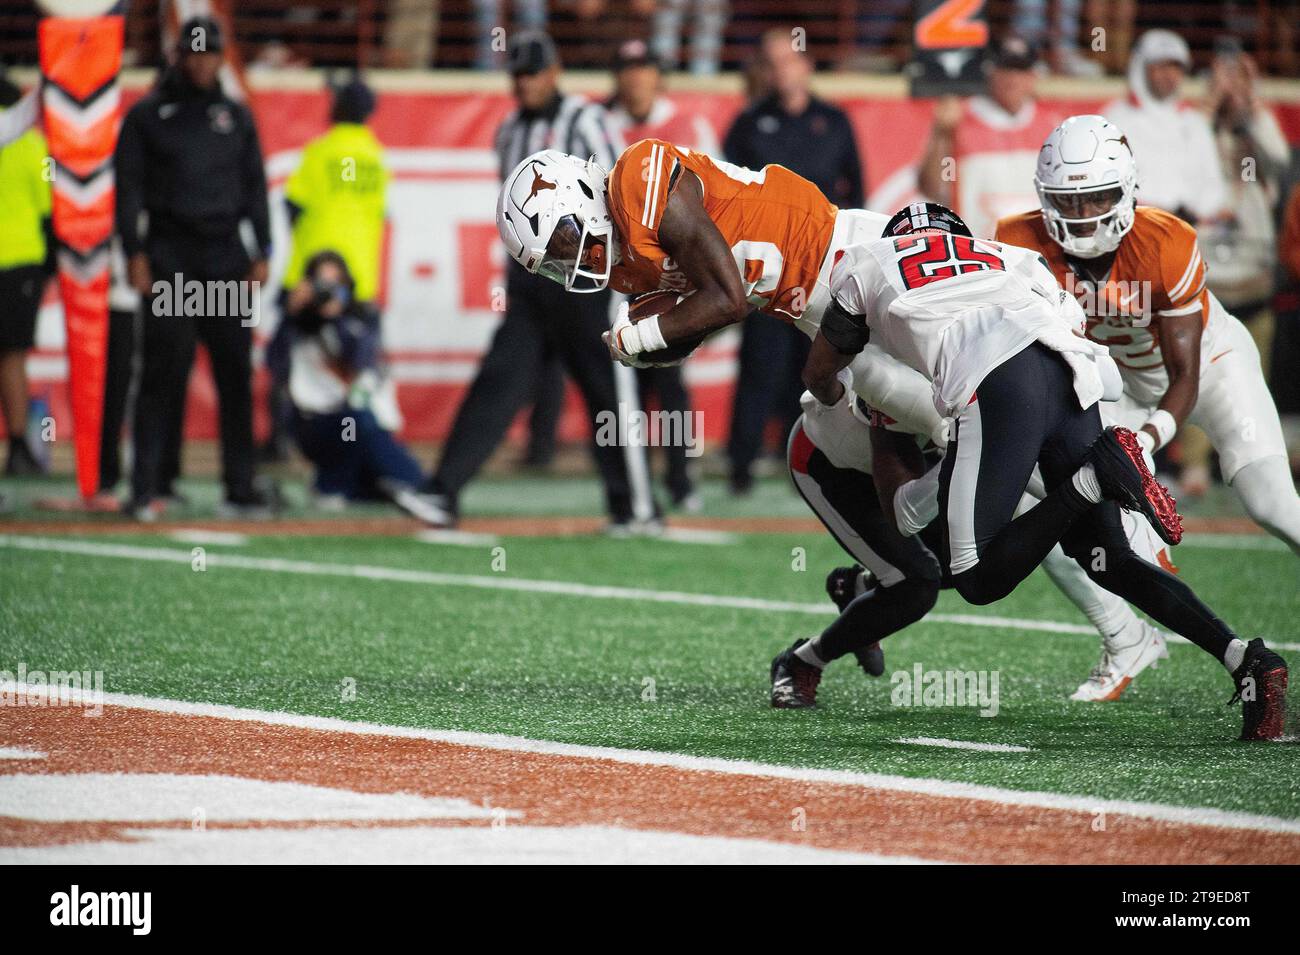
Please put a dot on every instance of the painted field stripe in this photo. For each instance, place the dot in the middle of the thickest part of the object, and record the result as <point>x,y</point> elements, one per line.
<point>554,587</point>
<point>17,752</point>
<point>1233,542</point>
<point>456,538</point>
<point>1186,815</point>
<point>199,536</point>
<point>963,744</point>
<point>696,535</point>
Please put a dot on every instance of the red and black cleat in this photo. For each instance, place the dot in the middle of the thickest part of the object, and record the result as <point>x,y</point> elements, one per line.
<point>794,682</point>
<point>1116,456</point>
<point>1261,688</point>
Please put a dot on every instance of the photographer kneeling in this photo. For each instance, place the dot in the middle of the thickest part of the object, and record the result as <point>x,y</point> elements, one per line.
<point>344,406</point>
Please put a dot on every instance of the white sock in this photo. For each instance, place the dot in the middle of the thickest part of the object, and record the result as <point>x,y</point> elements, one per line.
<point>1233,656</point>
<point>1086,483</point>
<point>808,655</point>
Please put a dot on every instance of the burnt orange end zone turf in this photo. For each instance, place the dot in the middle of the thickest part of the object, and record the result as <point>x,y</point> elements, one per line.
<point>561,790</point>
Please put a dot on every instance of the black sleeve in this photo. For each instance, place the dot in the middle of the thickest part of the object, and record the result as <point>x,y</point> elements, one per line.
<point>128,170</point>
<point>254,189</point>
<point>853,169</point>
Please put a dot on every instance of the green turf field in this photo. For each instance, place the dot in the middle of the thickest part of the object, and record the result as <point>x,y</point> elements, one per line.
<point>590,668</point>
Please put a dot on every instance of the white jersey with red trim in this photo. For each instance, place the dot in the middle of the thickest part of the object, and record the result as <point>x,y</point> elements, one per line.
<point>954,308</point>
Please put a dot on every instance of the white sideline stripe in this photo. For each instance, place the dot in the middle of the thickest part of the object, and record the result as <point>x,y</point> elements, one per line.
<point>456,538</point>
<point>17,752</point>
<point>1233,542</point>
<point>696,535</point>
<point>1183,815</point>
<point>483,582</point>
<point>964,744</point>
<point>199,536</point>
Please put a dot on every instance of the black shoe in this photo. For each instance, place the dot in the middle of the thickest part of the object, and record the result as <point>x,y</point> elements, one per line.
<point>741,485</point>
<point>842,585</point>
<point>1116,456</point>
<point>256,505</point>
<point>22,463</point>
<point>794,683</point>
<point>1261,688</point>
<point>435,510</point>
<point>871,659</point>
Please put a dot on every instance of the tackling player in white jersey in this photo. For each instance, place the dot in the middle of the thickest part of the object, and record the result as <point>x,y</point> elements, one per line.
<point>1003,347</point>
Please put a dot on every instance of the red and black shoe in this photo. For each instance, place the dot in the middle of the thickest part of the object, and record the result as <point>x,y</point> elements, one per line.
<point>1116,456</point>
<point>1261,688</point>
<point>794,683</point>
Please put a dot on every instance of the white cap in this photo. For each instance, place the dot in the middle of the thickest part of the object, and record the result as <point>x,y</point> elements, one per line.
<point>1163,46</point>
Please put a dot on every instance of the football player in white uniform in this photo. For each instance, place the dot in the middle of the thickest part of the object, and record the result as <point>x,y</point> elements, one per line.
<point>1138,274</point>
<point>1002,345</point>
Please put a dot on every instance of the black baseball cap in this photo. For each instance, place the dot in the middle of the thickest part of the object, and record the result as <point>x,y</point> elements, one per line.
<point>1012,53</point>
<point>633,53</point>
<point>531,52</point>
<point>200,35</point>
<point>923,216</point>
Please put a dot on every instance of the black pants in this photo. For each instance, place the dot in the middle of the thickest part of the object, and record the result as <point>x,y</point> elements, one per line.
<point>768,384</point>
<point>542,320</point>
<point>119,366</point>
<point>1024,413</point>
<point>666,387</point>
<point>906,569</point>
<point>167,346</point>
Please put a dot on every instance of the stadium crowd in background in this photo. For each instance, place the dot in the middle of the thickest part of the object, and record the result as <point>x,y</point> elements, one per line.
<point>991,141</point>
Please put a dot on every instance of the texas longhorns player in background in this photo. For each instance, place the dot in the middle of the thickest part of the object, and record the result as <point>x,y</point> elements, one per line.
<point>1138,273</point>
<point>668,218</point>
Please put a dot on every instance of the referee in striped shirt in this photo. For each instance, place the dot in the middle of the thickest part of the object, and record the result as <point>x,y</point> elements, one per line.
<point>542,321</point>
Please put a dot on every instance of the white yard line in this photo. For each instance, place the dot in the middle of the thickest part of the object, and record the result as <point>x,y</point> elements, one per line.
<point>1233,542</point>
<point>199,536</point>
<point>17,752</point>
<point>963,744</point>
<point>457,538</point>
<point>61,545</point>
<point>1183,815</point>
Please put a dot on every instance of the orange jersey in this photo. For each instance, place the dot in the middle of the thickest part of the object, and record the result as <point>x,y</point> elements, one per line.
<point>1157,271</point>
<point>779,225</point>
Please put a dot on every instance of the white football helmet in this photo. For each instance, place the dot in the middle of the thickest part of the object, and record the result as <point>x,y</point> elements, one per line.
<point>554,220</point>
<point>1087,183</point>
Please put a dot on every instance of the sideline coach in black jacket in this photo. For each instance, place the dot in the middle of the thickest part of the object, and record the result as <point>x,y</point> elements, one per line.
<point>188,158</point>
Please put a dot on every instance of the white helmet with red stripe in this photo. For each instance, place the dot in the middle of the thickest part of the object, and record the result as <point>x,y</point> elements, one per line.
<point>1087,185</point>
<point>554,220</point>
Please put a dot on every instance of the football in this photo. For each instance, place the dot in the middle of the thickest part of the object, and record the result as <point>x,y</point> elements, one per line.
<point>656,303</point>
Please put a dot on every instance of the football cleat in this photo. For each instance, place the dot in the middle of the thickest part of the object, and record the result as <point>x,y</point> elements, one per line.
<point>872,659</point>
<point>794,683</point>
<point>1261,688</point>
<point>1123,656</point>
<point>434,510</point>
<point>1116,457</point>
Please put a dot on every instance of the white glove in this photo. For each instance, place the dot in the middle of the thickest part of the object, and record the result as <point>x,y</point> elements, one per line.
<point>627,339</point>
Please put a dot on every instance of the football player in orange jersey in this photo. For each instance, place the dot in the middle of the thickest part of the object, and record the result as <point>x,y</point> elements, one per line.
<point>668,218</point>
<point>1138,273</point>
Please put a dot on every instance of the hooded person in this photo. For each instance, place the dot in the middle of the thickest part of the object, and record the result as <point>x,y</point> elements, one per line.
<point>1177,160</point>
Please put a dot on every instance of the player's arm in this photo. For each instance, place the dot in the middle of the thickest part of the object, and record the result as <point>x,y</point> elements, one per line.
<point>1180,344</point>
<point>843,333</point>
<point>895,459</point>
<point>692,239</point>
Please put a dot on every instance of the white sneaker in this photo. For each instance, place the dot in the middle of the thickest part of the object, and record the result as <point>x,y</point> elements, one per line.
<point>1123,656</point>
<point>431,509</point>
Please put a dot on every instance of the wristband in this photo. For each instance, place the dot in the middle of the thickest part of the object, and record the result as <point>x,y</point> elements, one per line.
<point>652,339</point>
<point>1165,427</point>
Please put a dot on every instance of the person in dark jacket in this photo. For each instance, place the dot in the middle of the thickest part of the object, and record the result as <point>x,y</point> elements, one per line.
<point>793,128</point>
<point>189,160</point>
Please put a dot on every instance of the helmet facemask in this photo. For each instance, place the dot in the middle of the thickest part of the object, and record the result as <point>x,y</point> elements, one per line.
<point>578,255</point>
<point>1087,223</point>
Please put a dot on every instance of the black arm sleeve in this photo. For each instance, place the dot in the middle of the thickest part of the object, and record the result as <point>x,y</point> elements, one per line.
<point>847,334</point>
<point>128,170</point>
<point>255,203</point>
